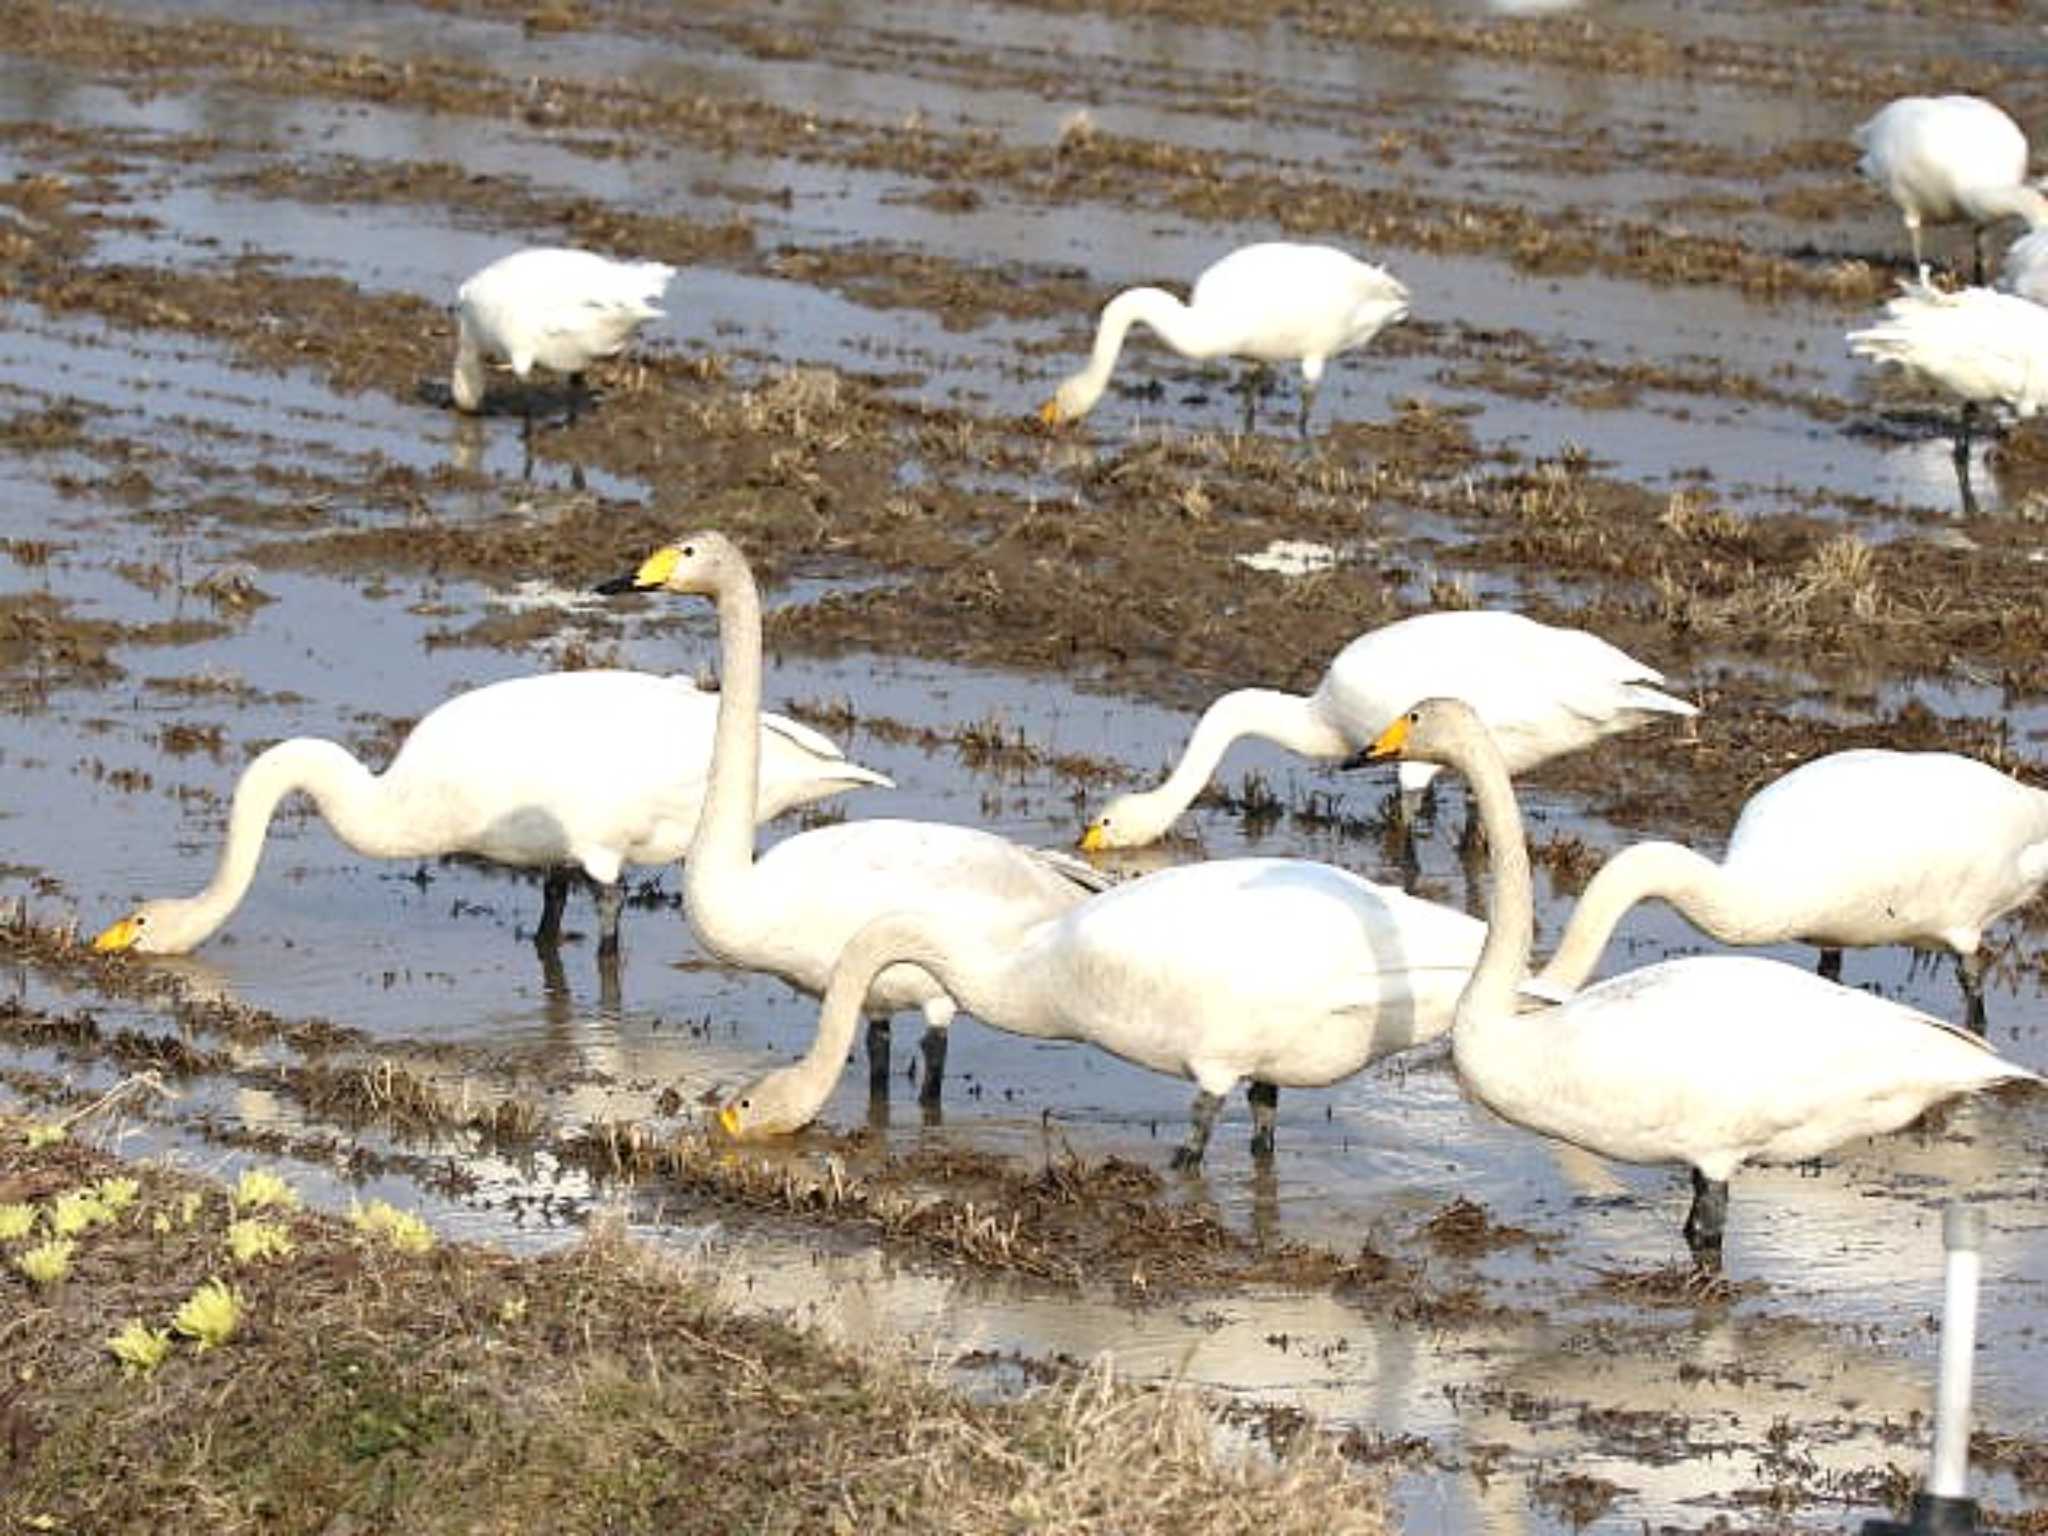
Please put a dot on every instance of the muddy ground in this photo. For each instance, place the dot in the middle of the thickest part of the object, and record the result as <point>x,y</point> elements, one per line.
<point>1727,501</point>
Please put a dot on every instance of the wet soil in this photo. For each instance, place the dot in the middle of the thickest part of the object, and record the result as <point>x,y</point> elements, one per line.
<point>1514,444</point>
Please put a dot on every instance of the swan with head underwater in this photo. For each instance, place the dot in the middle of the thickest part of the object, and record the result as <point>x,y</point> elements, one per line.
<point>1712,1061</point>
<point>1275,302</point>
<point>554,307</point>
<point>1853,849</point>
<point>1950,160</point>
<point>791,911</point>
<point>1543,690</point>
<point>583,770</point>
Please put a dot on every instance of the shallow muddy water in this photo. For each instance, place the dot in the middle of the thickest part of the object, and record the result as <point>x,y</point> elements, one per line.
<point>233,509</point>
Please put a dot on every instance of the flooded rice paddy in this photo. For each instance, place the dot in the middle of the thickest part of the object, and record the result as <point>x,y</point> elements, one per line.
<point>237,509</point>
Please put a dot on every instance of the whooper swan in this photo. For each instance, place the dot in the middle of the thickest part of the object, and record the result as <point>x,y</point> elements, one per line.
<point>1712,1061</point>
<point>1544,691</point>
<point>1853,849</point>
<point>562,309</point>
<point>792,911</point>
<point>1275,302</point>
<point>1280,972</point>
<point>1950,160</point>
<point>1979,345</point>
<point>588,769</point>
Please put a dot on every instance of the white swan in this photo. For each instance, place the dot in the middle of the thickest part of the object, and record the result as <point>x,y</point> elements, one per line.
<point>1275,302</point>
<point>1282,972</point>
<point>1713,1061</point>
<point>561,309</point>
<point>588,769</point>
<point>1950,160</point>
<point>792,911</point>
<point>1979,345</point>
<point>1544,691</point>
<point>2024,272</point>
<point>1853,849</point>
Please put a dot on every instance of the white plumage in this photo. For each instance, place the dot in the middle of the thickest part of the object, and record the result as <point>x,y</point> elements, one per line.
<point>589,769</point>
<point>1282,972</point>
<point>1979,345</point>
<point>1275,302</point>
<point>559,309</point>
<point>1544,691</point>
<point>1713,1061</point>
<point>1853,849</point>
<point>1950,160</point>
<point>792,911</point>
<point>2025,269</point>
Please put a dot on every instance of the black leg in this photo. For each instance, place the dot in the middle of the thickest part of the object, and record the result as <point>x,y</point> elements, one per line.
<point>611,901</point>
<point>1201,1121</point>
<point>1249,383</point>
<point>1830,965</point>
<point>878,1057</point>
<point>1308,403</point>
<point>1964,432</point>
<point>1265,1100</point>
<point>609,993</point>
<point>1971,968</point>
<point>1977,245</point>
<point>554,895</point>
<point>934,1047</point>
<point>579,397</point>
<point>1706,1221</point>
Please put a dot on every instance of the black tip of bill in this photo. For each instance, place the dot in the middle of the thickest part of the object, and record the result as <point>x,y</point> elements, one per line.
<point>615,586</point>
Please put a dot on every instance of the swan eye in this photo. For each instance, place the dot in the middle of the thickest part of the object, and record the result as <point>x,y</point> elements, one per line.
<point>746,1104</point>
<point>689,551</point>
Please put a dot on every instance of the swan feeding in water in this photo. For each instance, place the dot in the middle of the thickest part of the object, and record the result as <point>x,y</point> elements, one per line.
<point>1713,1061</point>
<point>1950,160</point>
<point>1544,691</point>
<point>1276,972</point>
<point>1850,850</point>
<point>1276,302</point>
<point>593,770</point>
<point>791,911</point>
<point>560,309</point>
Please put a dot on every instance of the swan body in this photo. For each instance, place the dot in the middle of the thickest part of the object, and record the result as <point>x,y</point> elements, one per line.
<point>1282,972</point>
<point>2024,272</point>
<point>1977,344</point>
<point>592,769</point>
<point>1275,302</point>
<point>1712,1061</point>
<point>560,309</point>
<point>1950,160</point>
<point>1853,849</point>
<point>1544,691</point>
<point>792,911</point>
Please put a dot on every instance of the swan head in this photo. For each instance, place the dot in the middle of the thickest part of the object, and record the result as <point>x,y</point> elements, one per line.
<point>1433,731</point>
<point>168,927</point>
<point>693,565</point>
<point>1071,401</point>
<point>1128,821</point>
<point>769,1106</point>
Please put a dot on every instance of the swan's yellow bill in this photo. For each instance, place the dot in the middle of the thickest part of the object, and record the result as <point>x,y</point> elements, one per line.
<point>1392,739</point>
<point>657,567</point>
<point>1049,413</point>
<point>120,936</point>
<point>729,1121</point>
<point>1092,840</point>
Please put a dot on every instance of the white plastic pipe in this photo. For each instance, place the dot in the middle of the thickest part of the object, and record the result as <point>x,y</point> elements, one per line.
<point>1962,1234</point>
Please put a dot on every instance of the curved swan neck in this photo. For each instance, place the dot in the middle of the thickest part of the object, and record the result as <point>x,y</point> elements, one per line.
<point>963,961</point>
<point>344,790</point>
<point>1511,916</point>
<point>2021,202</point>
<point>1182,328</point>
<point>722,849</point>
<point>1287,719</point>
<point>1694,884</point>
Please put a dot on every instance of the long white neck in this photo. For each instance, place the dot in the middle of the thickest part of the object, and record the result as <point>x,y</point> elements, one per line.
<point>1733,911</point>
<point>1185,330</point>
<point>1287,719</point>
<point>722,849</point>
<point>972,968</point>
<point>349,797</point>
<point>1511,912</point>
<point>2020,202</point>
<point>467,382</point>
